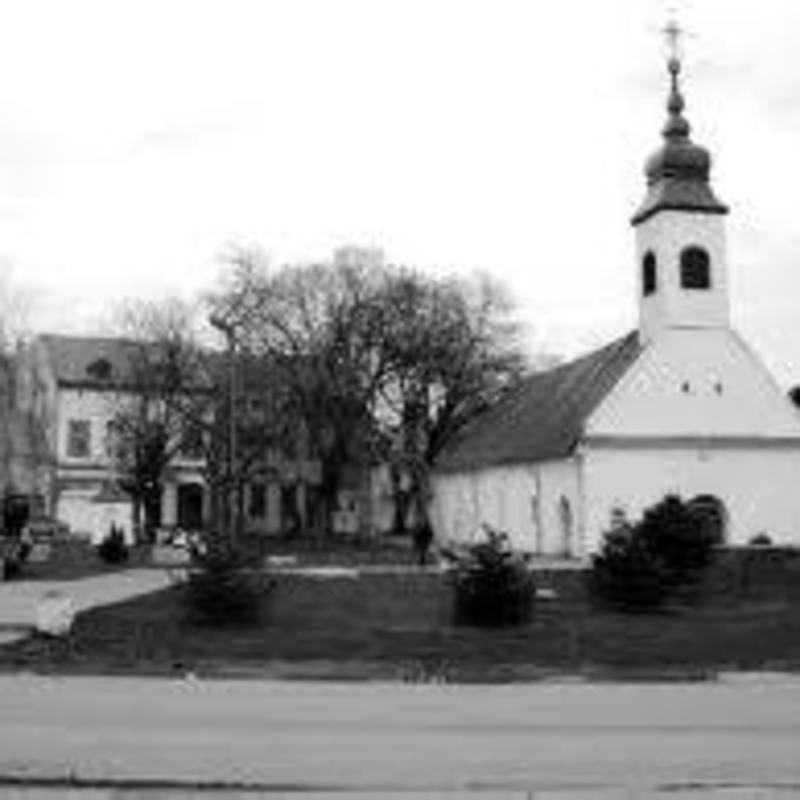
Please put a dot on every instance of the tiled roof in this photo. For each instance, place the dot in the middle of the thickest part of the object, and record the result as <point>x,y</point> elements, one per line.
<point>95,361</point>
<point>71,356</point>
<point>544,417</point>
<point>678,195</point>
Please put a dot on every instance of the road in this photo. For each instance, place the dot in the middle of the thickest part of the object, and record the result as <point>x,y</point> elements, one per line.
<point>379,736</point>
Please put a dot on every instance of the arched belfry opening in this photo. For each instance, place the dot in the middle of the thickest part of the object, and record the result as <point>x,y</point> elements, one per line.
<point>649,276</point>
<point>695,268</point>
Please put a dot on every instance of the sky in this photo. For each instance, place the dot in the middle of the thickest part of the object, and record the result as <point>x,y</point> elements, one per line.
<point>139,140</point>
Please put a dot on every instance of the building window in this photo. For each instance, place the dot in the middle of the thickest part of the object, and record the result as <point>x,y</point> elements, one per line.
<point>257,508</point>
<point>648,273</point>
<point>100,370</point>
<point>695,269</point>
<point>79,438</point>
<point>112,441</point>
<point>192,443</point>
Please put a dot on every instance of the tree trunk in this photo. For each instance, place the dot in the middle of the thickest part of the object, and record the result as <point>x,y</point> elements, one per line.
<point>329,490</point>
<point>399,501</point>
<point>136,513</point>
<point>152,512</point>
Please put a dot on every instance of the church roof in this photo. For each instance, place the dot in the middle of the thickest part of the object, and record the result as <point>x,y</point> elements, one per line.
<point>544,417</point>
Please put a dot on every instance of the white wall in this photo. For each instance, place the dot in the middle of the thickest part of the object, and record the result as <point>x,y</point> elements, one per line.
<point>75,508</point>
<point>521,500</point>
<point>106,514</point>
<point>666,234</point>
<point>759,486</point>
<point>730,392</point>
<point>561,479</point>
<point>99,408</point>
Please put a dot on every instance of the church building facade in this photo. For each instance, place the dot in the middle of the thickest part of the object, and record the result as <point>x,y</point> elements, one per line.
<point>681,405</point>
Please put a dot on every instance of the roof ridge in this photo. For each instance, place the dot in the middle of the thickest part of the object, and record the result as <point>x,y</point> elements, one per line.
<point>545,415</point>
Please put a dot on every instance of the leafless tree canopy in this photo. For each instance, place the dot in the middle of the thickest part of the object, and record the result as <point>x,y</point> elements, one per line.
<point>377,363</point>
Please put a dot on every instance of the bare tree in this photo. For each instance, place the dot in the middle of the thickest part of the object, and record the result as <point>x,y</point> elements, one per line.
<point>452,346</point>
<point>162,394</point>
<point>375,361</point>
<point>320,328</point>
<point>17,305</point>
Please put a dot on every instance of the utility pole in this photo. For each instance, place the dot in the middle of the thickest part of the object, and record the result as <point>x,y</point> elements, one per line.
<point>229,331</point>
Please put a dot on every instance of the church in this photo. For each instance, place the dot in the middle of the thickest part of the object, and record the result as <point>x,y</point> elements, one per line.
<point>682,405</point>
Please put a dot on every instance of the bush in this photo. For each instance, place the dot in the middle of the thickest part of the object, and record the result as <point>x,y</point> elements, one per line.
<point>761,540</point>
<point>641,565</point>
<point>626,573</point>
<point>492,585</point>
<point>113,549</point>
<point>222,591</point>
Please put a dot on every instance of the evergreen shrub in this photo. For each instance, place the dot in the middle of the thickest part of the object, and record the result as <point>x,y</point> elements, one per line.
<point>492,584</point>
<point>222,591</point>
<point>642,565</point>
<point>113,549</point>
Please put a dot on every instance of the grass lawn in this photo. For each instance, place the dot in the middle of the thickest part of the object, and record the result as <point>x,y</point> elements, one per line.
<point>338,551</point>
<point>397,626</point>
<point>73,559</point>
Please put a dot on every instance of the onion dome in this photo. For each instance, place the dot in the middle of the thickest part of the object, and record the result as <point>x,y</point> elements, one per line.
<point>678,172</point>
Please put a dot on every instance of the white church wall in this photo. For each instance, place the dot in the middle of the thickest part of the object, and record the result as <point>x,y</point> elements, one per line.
<point>692,382</point>
<point>502,497</point>
<point>521,500</point>
<point>560,507</point>
<point>758,486</point>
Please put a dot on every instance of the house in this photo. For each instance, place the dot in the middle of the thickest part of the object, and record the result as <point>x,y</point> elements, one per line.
<point>73,386</point>
<point>24,460</point>
<point>278,480</point>
<point>680,405</point>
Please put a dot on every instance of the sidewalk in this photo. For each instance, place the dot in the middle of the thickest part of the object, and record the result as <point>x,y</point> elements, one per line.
<point>19,598</point>
<point>330,571</point>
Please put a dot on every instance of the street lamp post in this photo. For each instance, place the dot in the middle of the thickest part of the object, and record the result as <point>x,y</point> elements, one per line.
<point>229,331</point>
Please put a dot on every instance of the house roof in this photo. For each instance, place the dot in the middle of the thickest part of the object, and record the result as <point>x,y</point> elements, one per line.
<point>544,417</point>
<point>77,360</point>
<point>94,361</point>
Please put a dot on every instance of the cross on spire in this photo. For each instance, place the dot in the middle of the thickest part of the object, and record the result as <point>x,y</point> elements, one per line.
<point>673,33</point>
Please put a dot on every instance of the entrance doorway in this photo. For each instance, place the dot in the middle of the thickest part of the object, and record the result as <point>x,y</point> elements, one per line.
<point>714,515</point>
<point>190,506</point>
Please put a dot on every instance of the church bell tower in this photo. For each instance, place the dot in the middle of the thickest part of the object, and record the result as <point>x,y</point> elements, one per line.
<point>680,231</point>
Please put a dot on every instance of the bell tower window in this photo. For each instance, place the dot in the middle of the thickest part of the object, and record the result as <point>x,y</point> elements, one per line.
<point>695,269</point>
<point>649,281</point>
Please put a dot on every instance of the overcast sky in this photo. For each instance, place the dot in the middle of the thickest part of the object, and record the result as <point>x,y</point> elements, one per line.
<point>137,139</point>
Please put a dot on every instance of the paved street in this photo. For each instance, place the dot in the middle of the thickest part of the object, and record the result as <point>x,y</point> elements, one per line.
<point>590,737</point>
<point>19,598</point>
